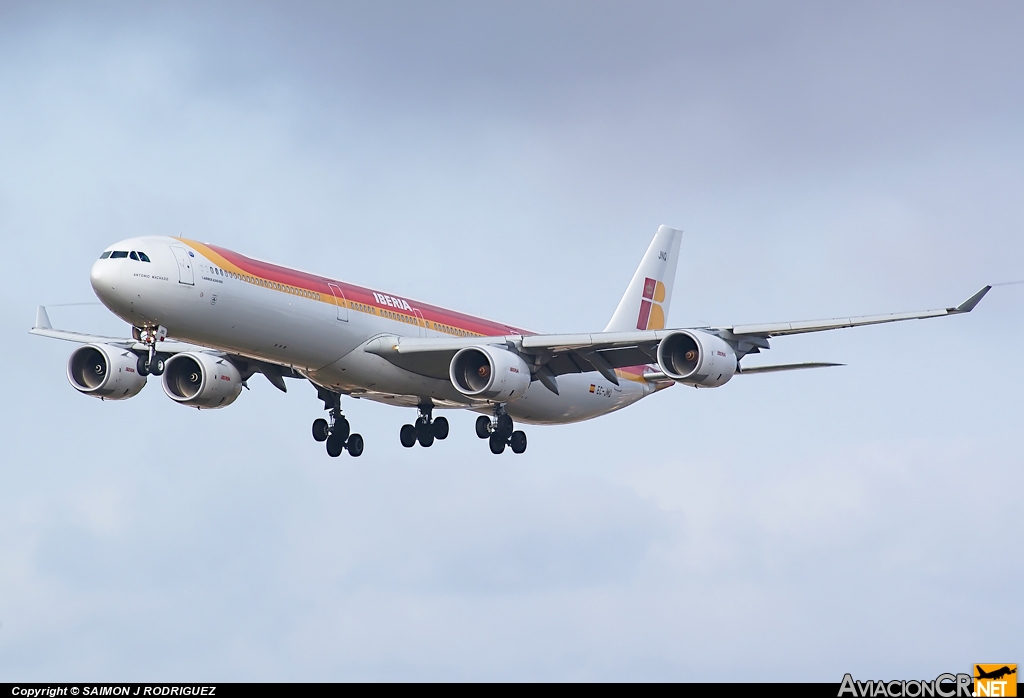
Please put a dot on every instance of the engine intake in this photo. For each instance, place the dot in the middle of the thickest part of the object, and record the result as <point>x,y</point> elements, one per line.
<point>489,372</point>
<point>697,358</point>
<point>201,380</point>
<point>105,371</point>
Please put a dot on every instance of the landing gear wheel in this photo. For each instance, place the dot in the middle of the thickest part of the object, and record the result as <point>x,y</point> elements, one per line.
<point>518,442</point>
<point>425,436</point>
<point>320,430</point>
<point>440,428</point>
<point>483,427</point>
<point>497,444</point>
<point>355,445</point>
<point>504,426</point>
<point>335,446</point>
<point>341,429</point>
<point>156,366</point>
<point>142,366</point>
<point>408,435</point>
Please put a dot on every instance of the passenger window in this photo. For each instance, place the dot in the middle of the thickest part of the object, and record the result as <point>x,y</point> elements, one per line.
<point>143,257</point>
<point>104,255</point>
<point>133,255</point>
<point>118,255</point>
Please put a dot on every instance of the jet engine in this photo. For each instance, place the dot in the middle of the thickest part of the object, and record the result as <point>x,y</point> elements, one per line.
<point>105,371</point>
<point>489,372</point>
<point>697,358</point>
<point>201,380</point>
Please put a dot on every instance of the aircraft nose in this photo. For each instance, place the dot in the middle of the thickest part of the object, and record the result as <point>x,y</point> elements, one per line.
<point>103,278</point>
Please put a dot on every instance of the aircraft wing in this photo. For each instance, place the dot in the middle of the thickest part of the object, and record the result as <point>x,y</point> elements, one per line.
<point>168,346</point>
<point>273,372</point>
<point>778,329</point>
<point>552,355</point>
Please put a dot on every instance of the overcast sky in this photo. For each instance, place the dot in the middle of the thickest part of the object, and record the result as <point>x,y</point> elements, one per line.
<point>514,160</point>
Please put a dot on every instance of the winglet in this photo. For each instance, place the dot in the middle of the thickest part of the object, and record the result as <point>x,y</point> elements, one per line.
<point>42,319</point>
<point>968,305</point>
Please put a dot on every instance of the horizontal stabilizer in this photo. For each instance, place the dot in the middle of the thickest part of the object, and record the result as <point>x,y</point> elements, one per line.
<point>784,367</point>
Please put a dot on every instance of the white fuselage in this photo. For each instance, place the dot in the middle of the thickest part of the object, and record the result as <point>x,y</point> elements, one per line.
<point>318,326</point>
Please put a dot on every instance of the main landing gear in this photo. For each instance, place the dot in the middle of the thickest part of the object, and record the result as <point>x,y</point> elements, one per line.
<point>425,430</point>
<point>500,432</point>
<point>338,433</point>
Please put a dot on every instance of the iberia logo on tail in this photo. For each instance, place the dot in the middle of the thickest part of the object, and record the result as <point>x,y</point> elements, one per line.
<point>652,316</point>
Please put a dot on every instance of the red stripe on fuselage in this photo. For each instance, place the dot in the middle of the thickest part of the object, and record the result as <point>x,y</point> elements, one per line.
<point>358,294</point>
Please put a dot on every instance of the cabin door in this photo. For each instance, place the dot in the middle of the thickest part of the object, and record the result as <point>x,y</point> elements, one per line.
<point>339,300</point>
<point>184,257</point>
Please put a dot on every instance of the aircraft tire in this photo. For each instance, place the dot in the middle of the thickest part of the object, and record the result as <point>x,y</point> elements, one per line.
<point>355,445</point>
<point>342,429</point>
<point>518,442</point>
<point>408,435</point>
<point>483,427</point>
<point>335,446</point>
<point>142,366</point>
<point>320,430</point>
<point>504,427</point>
<point>440,428</point>
<point>425,436</point>
<point>497,444</point>
<point>157,367</point>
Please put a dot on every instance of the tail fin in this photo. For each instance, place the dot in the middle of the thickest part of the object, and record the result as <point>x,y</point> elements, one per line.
<point>644,305</point>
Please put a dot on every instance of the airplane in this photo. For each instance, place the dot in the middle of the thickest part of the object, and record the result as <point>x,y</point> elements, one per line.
<point>206,319</point>
<point>994,674</point>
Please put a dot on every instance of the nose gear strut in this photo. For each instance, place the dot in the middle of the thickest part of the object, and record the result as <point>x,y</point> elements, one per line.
<point>338,432</point>
<point>152,363</point>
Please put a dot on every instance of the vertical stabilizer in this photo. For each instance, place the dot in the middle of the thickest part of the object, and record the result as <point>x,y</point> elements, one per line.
<point>644,305</point>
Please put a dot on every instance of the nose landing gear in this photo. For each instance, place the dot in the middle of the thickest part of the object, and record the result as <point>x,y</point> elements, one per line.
<point>425,430</point>
<point>338,433</point>
<point>152,363</point>
<point>500,432</point>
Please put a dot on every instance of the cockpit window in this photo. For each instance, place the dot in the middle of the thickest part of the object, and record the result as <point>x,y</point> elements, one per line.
<point>118,255</point>
<point>105,255</point>
<point>134,255</point>
<point>143,257</point>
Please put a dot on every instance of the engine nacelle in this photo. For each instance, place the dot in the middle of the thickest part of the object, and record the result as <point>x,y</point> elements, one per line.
<point>201,380</point>
<point>105,371</point>
<point>697,358</point>
<point>489,372</point>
